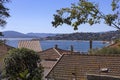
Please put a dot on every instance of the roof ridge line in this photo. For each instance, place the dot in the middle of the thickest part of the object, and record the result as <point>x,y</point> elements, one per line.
<point>57,51</point>
<point>95,54</point>
<point>54,65</point>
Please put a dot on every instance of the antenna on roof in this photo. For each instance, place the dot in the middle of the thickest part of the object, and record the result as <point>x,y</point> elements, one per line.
<point>90,44</point>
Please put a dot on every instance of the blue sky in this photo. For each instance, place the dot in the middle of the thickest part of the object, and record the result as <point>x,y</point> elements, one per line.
<point>36,16</point>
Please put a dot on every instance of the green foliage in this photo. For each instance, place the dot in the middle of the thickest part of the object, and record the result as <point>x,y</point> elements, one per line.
<point>87,12</point>
<point>4,12</point>
<point>22,64</point>
<point>1,34</point>
<point>117,40</point>
<point>115,4</point>
<point>107,50</point>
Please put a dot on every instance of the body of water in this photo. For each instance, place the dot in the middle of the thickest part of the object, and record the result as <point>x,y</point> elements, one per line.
<point>79,46</point>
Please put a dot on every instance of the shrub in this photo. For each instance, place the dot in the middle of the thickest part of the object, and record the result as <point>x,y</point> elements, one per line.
<point>107,50</point>
<point>22,64</point>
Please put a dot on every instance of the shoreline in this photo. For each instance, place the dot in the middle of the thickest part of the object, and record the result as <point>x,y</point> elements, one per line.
<point>54,40</point>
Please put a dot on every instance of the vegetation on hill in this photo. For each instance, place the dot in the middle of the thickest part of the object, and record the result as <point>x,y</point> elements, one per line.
<point>106,50</point>
<point>112,35</point>
<point>111,49</point>
<point>14,34</point>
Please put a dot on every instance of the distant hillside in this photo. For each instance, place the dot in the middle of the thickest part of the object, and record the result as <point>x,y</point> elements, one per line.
<point>73,36</point>
<point>14,34</point>
<point>87,36</point>
<point>40,35</point>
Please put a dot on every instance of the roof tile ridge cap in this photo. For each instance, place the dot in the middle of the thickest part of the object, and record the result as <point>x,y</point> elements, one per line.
<point>96,54</point>
<point>64,50</point>
<point>39,45</point>
<point>57,51</point>
<point>103,54</point>
<point>55,65</point>
<point>46,50</point>
<point>86,54</point>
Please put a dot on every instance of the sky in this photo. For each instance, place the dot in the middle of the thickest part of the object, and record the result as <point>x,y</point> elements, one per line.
<point>36,16</point>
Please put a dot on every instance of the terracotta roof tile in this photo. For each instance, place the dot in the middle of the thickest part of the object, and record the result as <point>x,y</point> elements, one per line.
<point>79,65</point>
<point>30,44</point>
<point>53,53</point>
<point>49,54</point>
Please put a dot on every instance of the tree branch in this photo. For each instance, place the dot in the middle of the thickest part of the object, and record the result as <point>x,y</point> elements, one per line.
<point>116,26</point>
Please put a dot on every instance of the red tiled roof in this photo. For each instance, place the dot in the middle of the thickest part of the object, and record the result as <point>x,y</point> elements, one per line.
<point>79,65</point>
<point>30,44</point>
<point>53,53</point>
<point>50,56</point>
<point>50,53</point>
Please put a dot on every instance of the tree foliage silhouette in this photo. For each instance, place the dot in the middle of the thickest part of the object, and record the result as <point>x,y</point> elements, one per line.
<point>4,12</point>
<point>22,64</point>
<point>87,12</point>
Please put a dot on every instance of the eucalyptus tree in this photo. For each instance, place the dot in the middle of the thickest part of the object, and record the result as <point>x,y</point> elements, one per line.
<point>86,11</point>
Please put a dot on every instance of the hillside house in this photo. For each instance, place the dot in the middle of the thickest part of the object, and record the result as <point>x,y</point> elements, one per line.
<point>50,56</point>
<point>86,67</point>
<point>30,44</point>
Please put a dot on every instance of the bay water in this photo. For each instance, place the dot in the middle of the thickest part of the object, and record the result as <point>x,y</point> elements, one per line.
<point>78,45</point>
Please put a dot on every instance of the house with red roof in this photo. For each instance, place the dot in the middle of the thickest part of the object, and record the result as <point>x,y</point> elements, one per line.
<point>86,67</point>
<point>50,57</point>
<point>30,44</point>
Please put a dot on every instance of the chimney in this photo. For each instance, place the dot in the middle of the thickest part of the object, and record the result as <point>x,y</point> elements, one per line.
<point>56,46</point>
<point>71,48</point>
<point>90,44</point>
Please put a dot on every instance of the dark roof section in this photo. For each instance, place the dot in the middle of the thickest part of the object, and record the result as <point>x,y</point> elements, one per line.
<point>50,53</point>
<point>54,53</point>
<point>80,65</point>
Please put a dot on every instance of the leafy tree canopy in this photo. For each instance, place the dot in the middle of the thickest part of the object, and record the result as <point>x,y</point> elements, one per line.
<point>4,12</point>
<point>22,64</point>
<point>87,12</point>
